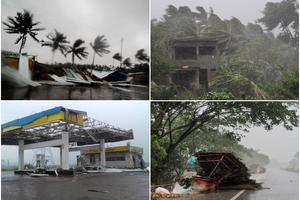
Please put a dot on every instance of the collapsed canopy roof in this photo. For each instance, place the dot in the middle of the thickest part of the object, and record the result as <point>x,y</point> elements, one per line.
<point>49,125</point>
<point>222,167</point>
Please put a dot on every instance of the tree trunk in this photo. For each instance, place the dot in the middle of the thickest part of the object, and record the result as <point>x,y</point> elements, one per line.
<point>52,59</point>
<point>73,58</point>
<point>93,62</point>
<point>22,44</point>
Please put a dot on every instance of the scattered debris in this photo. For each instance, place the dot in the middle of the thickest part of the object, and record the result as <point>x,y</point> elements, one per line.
<point>209,171</point>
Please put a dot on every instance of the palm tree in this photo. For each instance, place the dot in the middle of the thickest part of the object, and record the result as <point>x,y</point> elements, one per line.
<point>127,62</point>
<point>141,56</point>
<point>100,46</point>
<point>58,41</point>
<point>77,50</point>
<point>118,57</point>
<point>22,24</point>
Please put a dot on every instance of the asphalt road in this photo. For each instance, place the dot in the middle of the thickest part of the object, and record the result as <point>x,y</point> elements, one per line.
<point>219,195</point>
<point>106,186</point>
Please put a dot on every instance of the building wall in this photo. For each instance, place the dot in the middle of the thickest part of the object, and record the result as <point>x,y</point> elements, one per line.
<point>201,61</point>
<point>131,160</point>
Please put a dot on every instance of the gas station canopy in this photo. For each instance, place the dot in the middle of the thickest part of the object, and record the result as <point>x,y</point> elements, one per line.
<point>50,124</point>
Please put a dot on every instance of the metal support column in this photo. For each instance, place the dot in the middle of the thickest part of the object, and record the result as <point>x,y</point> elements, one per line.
<point>102,150</point>
<point>21,155</point>
<point>64,151</point>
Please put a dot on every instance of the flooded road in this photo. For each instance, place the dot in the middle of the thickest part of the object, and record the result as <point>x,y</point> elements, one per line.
<point>47,92</point>
<point>284,185</point>
<point>112,186</point>
<point>279,185</point>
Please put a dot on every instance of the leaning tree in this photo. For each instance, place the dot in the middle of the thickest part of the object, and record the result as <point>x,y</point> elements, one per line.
<point>57,41</point>
<point>173,122</point>
<point>23,25</point>
<point>100,46</point>
<point>77,50</point>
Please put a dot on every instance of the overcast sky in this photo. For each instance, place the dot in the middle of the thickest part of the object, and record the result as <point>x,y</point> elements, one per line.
<point>124,114</point>
<point>279,144</point>
<point>83,19</point>
<point>245,10</point>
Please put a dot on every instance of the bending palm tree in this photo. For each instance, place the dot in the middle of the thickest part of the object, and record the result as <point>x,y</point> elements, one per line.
<point>118,57</point>
<point>77,50</point>
<point>22,24</point>
<point>100,46</point>
<point>127,62</point>
<point>58,41</point>
<point>141,56</point>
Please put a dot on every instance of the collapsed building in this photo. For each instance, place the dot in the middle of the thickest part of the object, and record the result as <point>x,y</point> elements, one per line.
<point>196,58</point>
<point>63,128</point>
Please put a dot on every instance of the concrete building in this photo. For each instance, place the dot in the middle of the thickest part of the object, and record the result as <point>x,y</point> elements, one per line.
<point>128,156</point>
<point>196,58</point>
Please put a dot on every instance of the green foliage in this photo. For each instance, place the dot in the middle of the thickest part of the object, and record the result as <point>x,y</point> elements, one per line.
<point>284,14</point>
<point>165,92</point>
<point>219,96</point>
<point>180,128</point>
<point>288,87</point>
<point>250,61</point>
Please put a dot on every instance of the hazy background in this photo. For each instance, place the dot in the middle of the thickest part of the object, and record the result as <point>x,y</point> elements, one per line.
<point>245,10</point>
<point>83,19</point>
<point>127,115</point>
<point>279,144</point>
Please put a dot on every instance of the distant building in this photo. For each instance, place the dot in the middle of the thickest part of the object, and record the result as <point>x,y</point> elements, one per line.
<point>117,157</point>
<point>196,58</point>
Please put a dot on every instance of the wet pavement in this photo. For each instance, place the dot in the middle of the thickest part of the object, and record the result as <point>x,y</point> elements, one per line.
<point>278,184</point>
<point>108,186</point>
<point>219,195</point>
<point>50,92</point>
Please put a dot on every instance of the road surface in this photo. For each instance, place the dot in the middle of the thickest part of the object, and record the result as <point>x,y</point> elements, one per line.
<point>107,186</point>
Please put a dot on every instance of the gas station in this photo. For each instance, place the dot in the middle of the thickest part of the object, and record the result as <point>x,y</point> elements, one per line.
<point>63,128</point>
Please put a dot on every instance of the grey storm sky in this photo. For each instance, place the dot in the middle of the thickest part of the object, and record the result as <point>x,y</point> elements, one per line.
<point>279,144</point>
<point>245,10</point>
<point>124,114</point>
<point>83,19</point>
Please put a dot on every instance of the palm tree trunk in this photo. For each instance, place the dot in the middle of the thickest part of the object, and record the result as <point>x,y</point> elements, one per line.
<point>52,59</point>
<point>93,62</point>
<point>93,58</point>
<point>73,61</point>
<point>22,44</point>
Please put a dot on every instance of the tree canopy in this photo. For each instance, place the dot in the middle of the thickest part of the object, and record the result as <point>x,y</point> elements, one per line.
<point>23,25</point>
<point>252,63</point>
<point>173,124</point>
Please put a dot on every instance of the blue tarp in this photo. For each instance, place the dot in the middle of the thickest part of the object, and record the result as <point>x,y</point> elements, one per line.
<point>31,118</point>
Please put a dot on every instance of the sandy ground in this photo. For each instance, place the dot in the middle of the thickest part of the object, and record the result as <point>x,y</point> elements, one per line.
<point>106,186</point>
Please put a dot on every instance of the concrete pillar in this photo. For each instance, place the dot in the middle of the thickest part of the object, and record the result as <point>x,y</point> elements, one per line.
<point>102,154</point>
<point>64,151</point>
<point>21,155</point>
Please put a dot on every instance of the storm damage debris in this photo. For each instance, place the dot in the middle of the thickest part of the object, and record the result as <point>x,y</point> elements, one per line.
<point>223,168</point>
<point>211,171</point>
